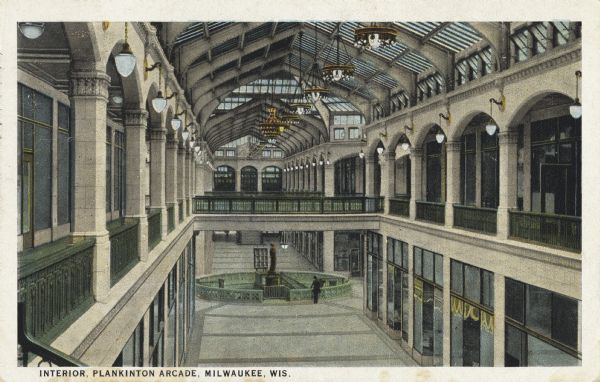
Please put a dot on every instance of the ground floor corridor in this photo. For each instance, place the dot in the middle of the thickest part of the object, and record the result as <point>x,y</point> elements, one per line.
<point>277,333</point>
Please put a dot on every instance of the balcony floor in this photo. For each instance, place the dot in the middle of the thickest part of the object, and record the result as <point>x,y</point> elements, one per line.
<point>276,333</point>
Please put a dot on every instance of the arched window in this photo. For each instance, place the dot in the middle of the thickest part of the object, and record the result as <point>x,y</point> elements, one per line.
<point>249,180</point>
<point>271,179</point>
<point>224,179</point>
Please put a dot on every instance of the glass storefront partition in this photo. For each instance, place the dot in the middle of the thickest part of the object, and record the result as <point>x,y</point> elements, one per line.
<point>428,319</point>
<point>397,287</point>
<point>472,315</point>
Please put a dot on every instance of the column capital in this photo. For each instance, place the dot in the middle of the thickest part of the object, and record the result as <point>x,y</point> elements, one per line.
<point>135,117</point>
<point>416,152</point>
<point>508,137</point>
<point>89,83</point>
<point>158,134</point>
<point>453,146</point>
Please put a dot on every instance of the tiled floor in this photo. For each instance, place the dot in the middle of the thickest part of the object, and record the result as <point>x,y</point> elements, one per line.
<point>331,333</point>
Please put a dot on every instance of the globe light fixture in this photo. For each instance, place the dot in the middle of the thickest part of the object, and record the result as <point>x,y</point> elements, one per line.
<point>361,154</point>
<point>159,103</point>
<point>405,146</point>
<point>176,123</point>
<point>338,71</point>
<point>439,136</point>
<point>117,99</point>
<point>575,109</point>
<point>379,150</point>
<point>125,61</point>
<point>491,127</point>
<point>31,30</point>
<point>197,149</point>
<point>320,162</point>
<point>185,134</point>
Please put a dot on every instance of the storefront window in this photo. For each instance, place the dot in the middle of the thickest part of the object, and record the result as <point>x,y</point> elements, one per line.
<point>541,327</point>
<point>374,273</point>
<point>472,316</point>
<point>397,292</point>
<point>428,298</point>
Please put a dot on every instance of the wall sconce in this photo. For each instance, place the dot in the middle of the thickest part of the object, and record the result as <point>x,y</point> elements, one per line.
<point>491,126</point>
<point>384,134</point>
<point>410,128</point>
<point>117,99</point>
<point>575,109</point>
<point>125,61</point>
<point>31,30</point>
<point>306,166</point>
<point>149,68</point>
<point>379,150</point>
<point>314,163</point>
<point>176,121</point>
<point>327,162</point>
<point>361,154</point>
<point>447,118</point>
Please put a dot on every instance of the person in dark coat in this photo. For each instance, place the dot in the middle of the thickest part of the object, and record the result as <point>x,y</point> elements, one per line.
<point>316,289</point>
<point>273,256</point>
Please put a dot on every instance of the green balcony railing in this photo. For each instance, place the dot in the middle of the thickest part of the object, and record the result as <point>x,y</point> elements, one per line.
<point>124,251</point>
<point>474,218</point>
<point>560,231</point>
<point>431,212</point>
<point>154,228</point>
<point>170,218</point>
<point>400,206</point>
<point>55,285</point>
<point>284,204</point>
<point>181,211</point>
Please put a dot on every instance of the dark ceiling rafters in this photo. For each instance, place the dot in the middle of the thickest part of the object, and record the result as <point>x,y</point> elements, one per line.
<point>215,58</point>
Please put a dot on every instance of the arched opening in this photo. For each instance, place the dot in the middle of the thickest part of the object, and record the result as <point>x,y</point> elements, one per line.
<point>224,179</point>
<point>349,175</point>
<point>479,164</point>
<point>271,179</point>
<point>249,179</point>
<point>435,167</point>
<point>549,158</point>
<point>402,168</point>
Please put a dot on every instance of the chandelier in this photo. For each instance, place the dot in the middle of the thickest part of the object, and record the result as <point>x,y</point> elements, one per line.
<point>291,119</point>
<point>272,126</point>
<point>374,37</point>
<point>336,72</point>
<point>317,88</point>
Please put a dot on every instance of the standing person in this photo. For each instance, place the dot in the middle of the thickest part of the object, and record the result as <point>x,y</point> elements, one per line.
<point>273,256</point>
<point>316,289</point>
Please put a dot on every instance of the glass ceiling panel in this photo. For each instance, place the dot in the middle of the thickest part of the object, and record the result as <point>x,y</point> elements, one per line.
<point>231,103</point>
<point>225,47</point>
<point>259,32</point>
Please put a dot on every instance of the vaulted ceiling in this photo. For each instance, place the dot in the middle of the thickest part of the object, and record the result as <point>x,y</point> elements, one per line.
<point>232,71</point>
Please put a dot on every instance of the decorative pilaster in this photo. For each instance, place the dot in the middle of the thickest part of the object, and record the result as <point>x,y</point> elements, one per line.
<point>329,186</point>
<point>135,154</point>
<point>171,175</point>
<point>370,175</point>
<point>328,250</point>
<point>507,141</point>
<point>89,96</point>
<point>158,147</point>
<point>416,165</point>
<point>387,178</point>
<point>452,180</point>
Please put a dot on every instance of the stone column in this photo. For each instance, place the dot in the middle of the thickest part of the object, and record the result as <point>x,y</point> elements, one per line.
<point>89,96</point>
<point>453,180</point>
<point>319,179</point>
<point>387,178</point>
<point>158,141</point>
<point>238,179</point>
<point>200,255</point>
<point>328,250</point>
<point>171,174</point>
<point>180,181</point>
<point>507,141</point>
<point>416,165</point>
<point>201,178</point>
<point>329,186</point>
<point>446,312</point>
<point>135,155</point>
<point>499,314</point>
<point>188,180</point>
<point>369,175</point>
